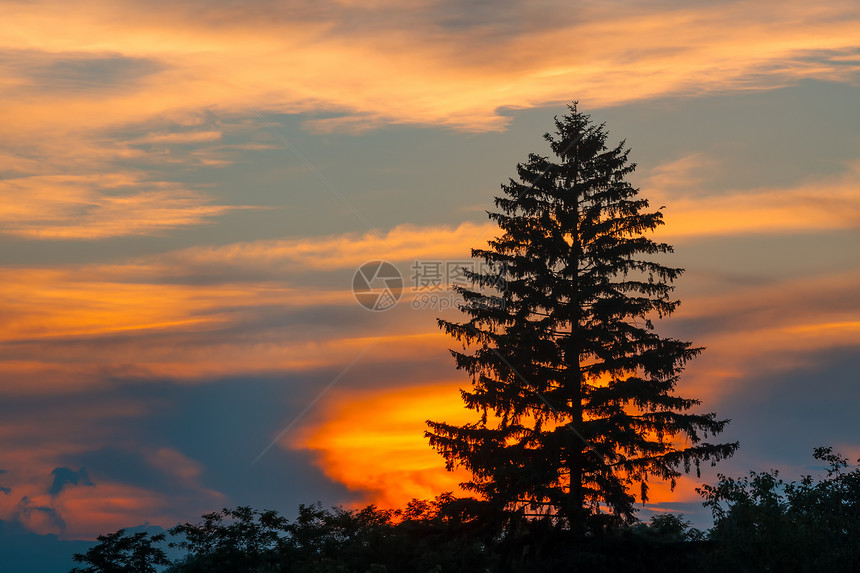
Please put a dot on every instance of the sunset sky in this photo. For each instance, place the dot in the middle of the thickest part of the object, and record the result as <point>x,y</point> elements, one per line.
<point>187,189</point>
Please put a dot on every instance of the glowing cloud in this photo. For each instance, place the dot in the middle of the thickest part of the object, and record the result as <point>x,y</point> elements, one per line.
<point>817,204</point>
<point>402,244</point>
<point>98,206</point>
<point>76,98</point>
<point>450,68</point>
<point>360,429</point>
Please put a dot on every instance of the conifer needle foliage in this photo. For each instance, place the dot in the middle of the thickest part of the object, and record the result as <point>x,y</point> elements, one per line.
<point>572,387</point>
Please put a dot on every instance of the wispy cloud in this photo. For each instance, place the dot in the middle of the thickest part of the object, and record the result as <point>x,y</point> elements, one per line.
<point>286,305</point>
<point>99,206</point>
<point>815,204</point>
<point>754,330</point>
<point>82,504</point>
<point>402,244</point>
<point>449,69</point>
<point>111,83</point>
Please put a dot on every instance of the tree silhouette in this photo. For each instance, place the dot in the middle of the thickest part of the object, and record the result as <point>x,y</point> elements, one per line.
<point>572,387</point>
<point>765,524</point>
<point>240,539</point>
<point>121,553</point>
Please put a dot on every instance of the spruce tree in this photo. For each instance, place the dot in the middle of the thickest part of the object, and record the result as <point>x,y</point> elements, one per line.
<point>572,387</point>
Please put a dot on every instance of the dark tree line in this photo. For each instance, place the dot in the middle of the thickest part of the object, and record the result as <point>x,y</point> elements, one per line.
<point>765,524</point>
<point>761,523</point>
<point>439,535</point>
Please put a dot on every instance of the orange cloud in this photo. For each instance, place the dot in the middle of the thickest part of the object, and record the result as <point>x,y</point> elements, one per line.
<point>167,315</point>
<point>86,512</point>
<point>285,59</point>
<point>817,204</point>
<point>373,442</point>
<point>79,85</point>
<point>389,64</point>
<point>762,329</point>
<point>98,206</point>
<point>33,446</point>
<point>403,243</point>
<point>68,324</point>
<point>108,506</point>
<point>70,327</point>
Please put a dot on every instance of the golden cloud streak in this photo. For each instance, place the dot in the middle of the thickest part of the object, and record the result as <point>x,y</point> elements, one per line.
<point>69,327</point>
<point>769,328</point>
<point>309,60</point>
<point>106,67</point>
<point>112,313</point>
<point>98,206</point>
<point>402,244</point>
<point>817,204</point>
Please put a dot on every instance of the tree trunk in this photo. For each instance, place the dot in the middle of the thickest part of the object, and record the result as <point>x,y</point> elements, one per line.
<point>573,374</point>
